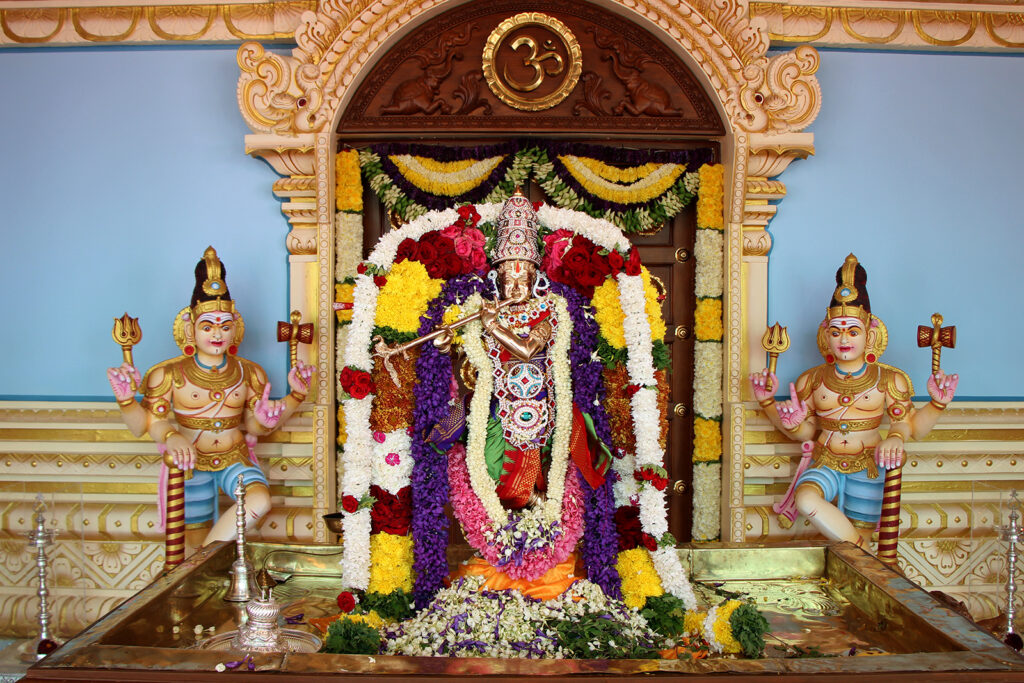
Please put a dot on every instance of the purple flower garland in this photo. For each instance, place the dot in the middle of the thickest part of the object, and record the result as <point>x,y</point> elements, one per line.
<point>430,470</point>
<point>600,537</point>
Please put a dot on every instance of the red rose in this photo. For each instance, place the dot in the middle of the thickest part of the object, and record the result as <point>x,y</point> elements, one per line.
<point>362,385</point>
<point>361,268</point>
<point>615,262</point>
<point>346,602</point>
<point>659,483</point>
<point>537,205</point>
<point>380,280</point>
<point>407,249</point>
<point>469,215</point>
<point>632,389</point>
<point>576,258</point>
<point>590,276</point>
<point>453,265</point>
<point>348,376</point>
<point>627,524</point>
<point>427,252</point>
<point>349,503</point>
<point>633,263</point>
<point>391,513</point>
<point>649,542</point>
<point>638,475</point>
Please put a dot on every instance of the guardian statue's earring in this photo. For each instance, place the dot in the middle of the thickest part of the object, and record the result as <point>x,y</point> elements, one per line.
<point>541,285</point>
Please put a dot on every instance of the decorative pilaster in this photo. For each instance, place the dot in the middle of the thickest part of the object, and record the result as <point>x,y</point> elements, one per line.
<point>769,156</point>
<point>305,163</point>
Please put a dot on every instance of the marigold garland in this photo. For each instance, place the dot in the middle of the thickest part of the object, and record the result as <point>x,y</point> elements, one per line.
<point>348,189</point>
<point>405,296</point>
<point>391,563</point>
<point>639,577</point>
<point>708,364</point>
<point>643,188</point>
<point>343,295</point>
<point>708,320</point>
<point>450,179</point>
<point>711,199</point>
<point>611,319</point>
<point>707,440</point>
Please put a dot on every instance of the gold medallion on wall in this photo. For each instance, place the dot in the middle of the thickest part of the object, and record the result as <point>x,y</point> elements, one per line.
<point>532,61</point>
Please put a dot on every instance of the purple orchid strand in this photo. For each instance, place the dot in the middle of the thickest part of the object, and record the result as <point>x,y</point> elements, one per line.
<point>430,471</point>
<point>600,540</point>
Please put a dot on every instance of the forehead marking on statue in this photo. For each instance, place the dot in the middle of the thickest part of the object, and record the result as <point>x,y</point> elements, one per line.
<point>845,323</point>
<point>216,317</point>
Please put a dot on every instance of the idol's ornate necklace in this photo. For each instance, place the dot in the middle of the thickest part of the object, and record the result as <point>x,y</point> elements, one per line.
<point>850,384</point>
<point>203,376</point>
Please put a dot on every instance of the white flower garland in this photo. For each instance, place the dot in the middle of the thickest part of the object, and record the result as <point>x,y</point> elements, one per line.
<point>480,408</point>
<point>706,499</point>
<point>476,421</point>
<point>348,243</point>
<point>673,576</point>
<point>708,251</point>
<point>392,461</point>
<point>625,489</point>
<point>355,554</point>
<point>707,379</point>
<point>707,385</point>
<point>709,631</point>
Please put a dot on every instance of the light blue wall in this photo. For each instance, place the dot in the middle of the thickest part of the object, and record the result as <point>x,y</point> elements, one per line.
<point>917,172</point>
<point>118,168</point>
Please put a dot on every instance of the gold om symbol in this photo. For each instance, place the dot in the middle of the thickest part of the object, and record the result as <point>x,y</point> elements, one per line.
<point>536,62</point>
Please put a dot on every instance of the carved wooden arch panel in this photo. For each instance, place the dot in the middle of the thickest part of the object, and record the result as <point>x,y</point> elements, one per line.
<point>447,77</point>
<point>295,103</point>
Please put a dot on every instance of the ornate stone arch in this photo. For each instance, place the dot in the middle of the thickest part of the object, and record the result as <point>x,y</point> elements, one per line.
<point>293,103</point>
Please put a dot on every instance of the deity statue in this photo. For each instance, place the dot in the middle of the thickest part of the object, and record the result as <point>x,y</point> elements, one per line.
<point>205,408</point>
<point>841,406</point>
<point>518,333</point>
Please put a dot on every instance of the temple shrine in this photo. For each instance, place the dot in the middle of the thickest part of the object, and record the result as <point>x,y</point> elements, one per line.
<point>512,338</point>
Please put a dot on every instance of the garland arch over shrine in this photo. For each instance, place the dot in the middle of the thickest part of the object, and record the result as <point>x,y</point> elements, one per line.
<point>293,105</point>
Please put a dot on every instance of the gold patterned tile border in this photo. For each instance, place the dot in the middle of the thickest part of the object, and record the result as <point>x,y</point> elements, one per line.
<point>901,25</point>
<point>40,24</point>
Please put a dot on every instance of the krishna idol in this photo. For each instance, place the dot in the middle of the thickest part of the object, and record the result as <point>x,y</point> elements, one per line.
<point>841,405</point>
<point>205,408</point>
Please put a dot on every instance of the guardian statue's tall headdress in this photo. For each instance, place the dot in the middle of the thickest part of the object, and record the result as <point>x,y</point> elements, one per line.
<point>850,299</point>
<point>211,290</point>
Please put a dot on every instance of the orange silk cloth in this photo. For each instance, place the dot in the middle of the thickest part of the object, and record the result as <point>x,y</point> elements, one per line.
<point>548,587</point>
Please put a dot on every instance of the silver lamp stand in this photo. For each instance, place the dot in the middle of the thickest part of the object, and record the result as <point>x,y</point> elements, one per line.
<point>1011,533</point>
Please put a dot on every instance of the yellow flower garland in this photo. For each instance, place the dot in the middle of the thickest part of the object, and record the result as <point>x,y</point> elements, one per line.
<point>639,577</point>
<point>391,566</point>
<point>617,175</point>
<point>708,319</point>
<point>707,440</point>
<point>693,622</point>
<point>609,315</point>
<point>723,629</point>
<point>650,186</point>
<point>348,185</point>
<point>371,619</point>
<point>343,295</point>
<point>449,179</point>
<point>711,198</point>
<point>405,296</point>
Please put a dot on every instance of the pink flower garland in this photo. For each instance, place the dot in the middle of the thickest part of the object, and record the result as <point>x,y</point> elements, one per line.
<point>473,518</point>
